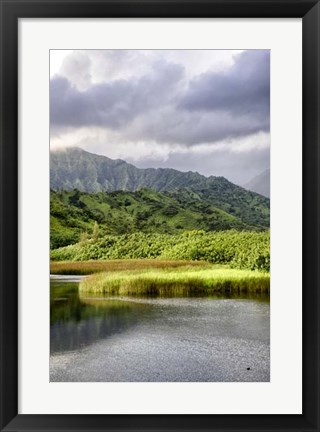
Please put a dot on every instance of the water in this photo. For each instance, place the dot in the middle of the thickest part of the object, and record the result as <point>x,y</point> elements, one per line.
<point>157,339</point>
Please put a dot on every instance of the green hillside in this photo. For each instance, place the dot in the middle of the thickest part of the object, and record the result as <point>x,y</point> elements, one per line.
<point>73,213</point>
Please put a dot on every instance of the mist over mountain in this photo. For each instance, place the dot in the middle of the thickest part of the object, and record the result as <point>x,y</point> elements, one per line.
<point>260,184</point>
<point>75,168</point>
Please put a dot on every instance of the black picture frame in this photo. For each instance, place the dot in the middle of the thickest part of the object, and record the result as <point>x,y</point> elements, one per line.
<point>11,11</point>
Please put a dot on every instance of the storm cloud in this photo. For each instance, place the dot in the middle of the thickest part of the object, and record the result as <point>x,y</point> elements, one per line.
<point>243,89</point>
<point>168,105</point>
<point>114,104</point>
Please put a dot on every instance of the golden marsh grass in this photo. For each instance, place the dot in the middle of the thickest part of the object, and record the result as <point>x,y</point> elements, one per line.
<point>97,266</point>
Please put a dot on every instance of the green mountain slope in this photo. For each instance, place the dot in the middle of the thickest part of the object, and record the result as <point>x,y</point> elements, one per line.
<point>120,212</point>
<point>75,168</point>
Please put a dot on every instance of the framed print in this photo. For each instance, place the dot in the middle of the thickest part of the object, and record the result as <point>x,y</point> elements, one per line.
<point>159,209</point>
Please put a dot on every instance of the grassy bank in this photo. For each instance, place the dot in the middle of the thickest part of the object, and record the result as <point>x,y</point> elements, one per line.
<point>174,282</point>
<point>90,267</point>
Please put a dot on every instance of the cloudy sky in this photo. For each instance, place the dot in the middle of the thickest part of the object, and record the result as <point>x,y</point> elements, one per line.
<point>199,110</point>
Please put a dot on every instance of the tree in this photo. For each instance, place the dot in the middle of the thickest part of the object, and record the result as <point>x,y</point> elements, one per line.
<point>83,238</point>
<point>96,231</point>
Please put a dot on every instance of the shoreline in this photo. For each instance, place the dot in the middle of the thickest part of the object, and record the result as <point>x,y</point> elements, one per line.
<point>66,278</point>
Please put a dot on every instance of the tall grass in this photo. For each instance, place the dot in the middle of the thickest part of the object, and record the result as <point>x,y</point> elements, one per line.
<point>90,267</point>
<point>175,282</point>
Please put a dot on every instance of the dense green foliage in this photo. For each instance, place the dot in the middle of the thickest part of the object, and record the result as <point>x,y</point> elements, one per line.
<point>115,213</point>
<point>173,282</point>
<point>243,250</point>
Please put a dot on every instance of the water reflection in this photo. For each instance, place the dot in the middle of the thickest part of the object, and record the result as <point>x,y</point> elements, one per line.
<point>78,320</point>
<point>158,339</point>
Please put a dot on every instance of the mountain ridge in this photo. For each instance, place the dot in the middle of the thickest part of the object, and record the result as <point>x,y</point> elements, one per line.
<point>72,183</point>
<point>100,173</point>
<point>76,169</point>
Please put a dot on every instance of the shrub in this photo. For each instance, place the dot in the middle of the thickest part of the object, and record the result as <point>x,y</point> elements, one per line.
<point>243,250</point>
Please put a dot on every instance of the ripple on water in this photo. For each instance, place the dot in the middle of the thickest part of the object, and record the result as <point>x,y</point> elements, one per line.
<point>164,339</point>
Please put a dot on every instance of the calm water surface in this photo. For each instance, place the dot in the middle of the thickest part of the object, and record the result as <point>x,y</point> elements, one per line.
<point>157,339</point>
